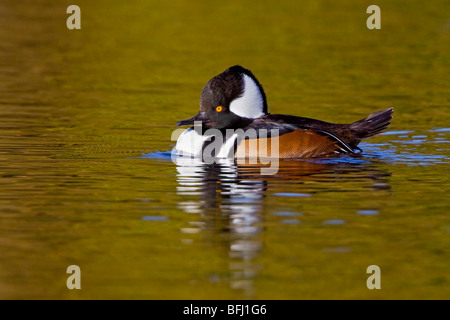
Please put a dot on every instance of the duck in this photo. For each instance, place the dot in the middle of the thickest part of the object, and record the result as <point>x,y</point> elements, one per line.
<point>233,122</point>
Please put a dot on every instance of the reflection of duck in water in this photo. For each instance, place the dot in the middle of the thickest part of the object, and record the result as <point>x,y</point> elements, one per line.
<point>235,100</point>
<point>230,210</point>
<point>227,181</point>
<point>229,202</point>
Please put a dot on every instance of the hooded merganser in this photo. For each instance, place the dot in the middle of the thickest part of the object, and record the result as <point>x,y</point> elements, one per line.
<point>235,99</point>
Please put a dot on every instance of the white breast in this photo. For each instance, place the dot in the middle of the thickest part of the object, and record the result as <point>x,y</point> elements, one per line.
<point>190,143</point>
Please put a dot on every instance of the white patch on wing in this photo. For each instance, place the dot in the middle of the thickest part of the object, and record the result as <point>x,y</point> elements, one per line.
<point>251,103</point>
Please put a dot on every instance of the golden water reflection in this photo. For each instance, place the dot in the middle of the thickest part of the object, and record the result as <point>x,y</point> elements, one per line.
<point>230,201</point>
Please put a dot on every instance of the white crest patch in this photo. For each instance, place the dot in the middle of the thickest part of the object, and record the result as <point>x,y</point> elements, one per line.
<point>251,103</point>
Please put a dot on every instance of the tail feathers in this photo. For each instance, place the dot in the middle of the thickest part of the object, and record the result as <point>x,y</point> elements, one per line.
<point>374,124</point>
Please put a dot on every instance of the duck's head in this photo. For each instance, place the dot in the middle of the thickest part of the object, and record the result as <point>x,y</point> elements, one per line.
<point>231,99</point>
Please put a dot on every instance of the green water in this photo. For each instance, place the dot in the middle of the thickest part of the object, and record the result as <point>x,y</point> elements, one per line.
<point>86,118</point>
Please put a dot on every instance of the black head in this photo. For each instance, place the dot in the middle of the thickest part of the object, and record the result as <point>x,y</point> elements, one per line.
<point>231,99</point>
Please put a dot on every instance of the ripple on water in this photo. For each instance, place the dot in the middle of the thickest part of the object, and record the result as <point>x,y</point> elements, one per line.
<point>287,213</point>
<point>408,149</point>
<point>290,221</point>
<point>440,130</point>
<point>334,222</point>
<point>289,194</point>
<point>165,155</point>
<point>396,133</point>
<point>367,212</point>
<point>155,218</point>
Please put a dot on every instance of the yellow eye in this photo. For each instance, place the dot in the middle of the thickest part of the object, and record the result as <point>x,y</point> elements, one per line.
<point>219,109</point>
